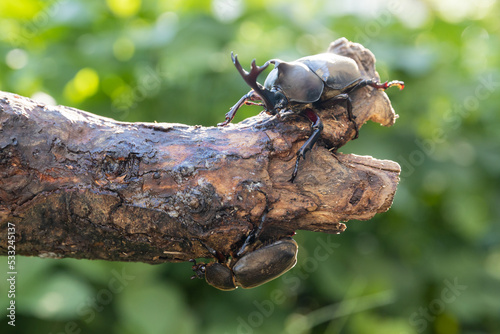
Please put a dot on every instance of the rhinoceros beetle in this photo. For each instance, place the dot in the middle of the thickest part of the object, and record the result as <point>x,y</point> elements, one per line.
<point>301,85</point>
<point>252,269</point>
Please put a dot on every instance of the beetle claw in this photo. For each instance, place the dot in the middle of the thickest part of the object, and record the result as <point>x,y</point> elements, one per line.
<point>226,122</point>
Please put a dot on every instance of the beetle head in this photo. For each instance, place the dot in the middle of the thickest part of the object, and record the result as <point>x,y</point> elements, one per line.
<point>271,99</point>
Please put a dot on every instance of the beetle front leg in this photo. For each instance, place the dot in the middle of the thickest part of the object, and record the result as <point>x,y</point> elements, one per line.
<point>250,103</point>
<point>232,112</point>
<point>245,99</point>
<point>317,127</point>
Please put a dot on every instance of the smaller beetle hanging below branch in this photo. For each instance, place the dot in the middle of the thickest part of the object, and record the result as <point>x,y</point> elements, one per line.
<point>299,86</point>
<point>248,269</point>
<point>252,269</point>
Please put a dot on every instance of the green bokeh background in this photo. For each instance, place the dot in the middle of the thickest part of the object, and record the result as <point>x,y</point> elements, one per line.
<point>431,264</point>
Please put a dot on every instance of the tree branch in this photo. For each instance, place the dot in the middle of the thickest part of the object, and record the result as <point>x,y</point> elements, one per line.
<point>83,186</point>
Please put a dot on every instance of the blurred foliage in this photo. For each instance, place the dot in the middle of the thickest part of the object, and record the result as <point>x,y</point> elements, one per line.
<point>430,264</point>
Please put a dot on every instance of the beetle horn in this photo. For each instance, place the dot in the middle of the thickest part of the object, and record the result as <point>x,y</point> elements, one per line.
<point>251,80</point>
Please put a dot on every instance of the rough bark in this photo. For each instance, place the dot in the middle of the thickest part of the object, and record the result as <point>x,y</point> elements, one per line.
<point>83,186</point>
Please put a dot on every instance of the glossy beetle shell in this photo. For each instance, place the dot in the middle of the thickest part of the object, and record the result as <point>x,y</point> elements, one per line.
<point>255,268</point>
<point>295,80</point>
<point>266,263</point>
<point>304,79</point>
<point>219,276</point>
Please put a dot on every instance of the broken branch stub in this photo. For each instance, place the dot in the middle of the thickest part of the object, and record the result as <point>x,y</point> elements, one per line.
<point>84,186</point>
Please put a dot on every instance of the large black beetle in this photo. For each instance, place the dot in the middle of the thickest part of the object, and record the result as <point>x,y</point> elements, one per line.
<point>299,86</point>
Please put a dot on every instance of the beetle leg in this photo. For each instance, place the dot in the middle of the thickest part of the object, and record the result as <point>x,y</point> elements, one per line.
<point>253,235</point>
<point>232,112</point>
<point>250,103</point>
<point>385,85</point>
<point>375,84</point>
<point>317,127</point>
<point>365,82</point>
<point>347,99</point>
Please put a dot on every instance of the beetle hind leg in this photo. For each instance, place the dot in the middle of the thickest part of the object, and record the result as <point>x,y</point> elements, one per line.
<point>366,82</point>
<point>376,84</point>
<point>317,127</point>
<point>385,85</point>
